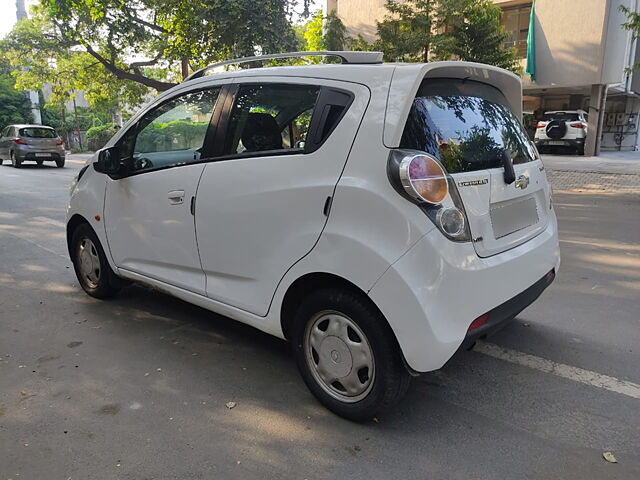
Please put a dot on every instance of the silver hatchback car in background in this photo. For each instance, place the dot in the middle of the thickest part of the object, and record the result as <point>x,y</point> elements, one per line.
<point>35,143</point>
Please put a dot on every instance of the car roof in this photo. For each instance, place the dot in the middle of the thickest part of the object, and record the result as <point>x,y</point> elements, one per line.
<point>30,125</point>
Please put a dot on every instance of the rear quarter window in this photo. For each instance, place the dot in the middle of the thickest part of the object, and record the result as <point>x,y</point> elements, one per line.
<point>466,125</point>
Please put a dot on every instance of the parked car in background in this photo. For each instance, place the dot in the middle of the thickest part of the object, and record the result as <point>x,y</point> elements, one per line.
<point>31,143</point>
<point>562,128</point>
<point>378,216</point>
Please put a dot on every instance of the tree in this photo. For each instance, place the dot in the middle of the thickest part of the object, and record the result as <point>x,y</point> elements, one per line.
<point>312,33</point>
<point>632,24</point>
<point>422,30</point>
<point>406,33</point>
<point>16,107</point>
<point>152,42</point>
<point>335,33</point>
<point>473,32</point>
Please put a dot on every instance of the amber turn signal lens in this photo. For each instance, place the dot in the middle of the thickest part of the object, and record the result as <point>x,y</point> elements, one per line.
<point>424,179</point>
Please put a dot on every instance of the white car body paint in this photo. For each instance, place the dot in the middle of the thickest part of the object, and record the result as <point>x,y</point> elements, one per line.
<point>429,288</point>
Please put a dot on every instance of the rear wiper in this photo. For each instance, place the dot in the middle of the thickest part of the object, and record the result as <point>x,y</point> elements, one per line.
<point>507,163</point>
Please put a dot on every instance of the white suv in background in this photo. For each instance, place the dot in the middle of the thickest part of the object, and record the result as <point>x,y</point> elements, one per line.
<point>566,128</point>
<point>378,216</point>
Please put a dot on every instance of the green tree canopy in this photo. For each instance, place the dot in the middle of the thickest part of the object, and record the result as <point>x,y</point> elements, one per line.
<point>150,42</point>
<point>423,30</point>
<point>16,107</point>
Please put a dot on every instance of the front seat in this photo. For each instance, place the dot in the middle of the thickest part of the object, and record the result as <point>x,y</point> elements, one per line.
<point>261,132</point>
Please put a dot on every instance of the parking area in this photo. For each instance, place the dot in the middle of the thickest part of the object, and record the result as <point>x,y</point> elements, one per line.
<point>137,387</point>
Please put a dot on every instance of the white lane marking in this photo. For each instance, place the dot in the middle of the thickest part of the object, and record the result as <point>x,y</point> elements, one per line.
<point>576,374</point>
<point>50,221</point>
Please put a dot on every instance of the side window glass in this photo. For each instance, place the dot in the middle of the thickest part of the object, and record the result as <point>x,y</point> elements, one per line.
<point>271,117</point>
<point>172,134</point>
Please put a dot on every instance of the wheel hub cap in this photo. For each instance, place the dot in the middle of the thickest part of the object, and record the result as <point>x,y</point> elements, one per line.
<point>89,262</point>
<point>339,356</point>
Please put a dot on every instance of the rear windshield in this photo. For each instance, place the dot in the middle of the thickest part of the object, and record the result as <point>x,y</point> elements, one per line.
<point>467,125</point>
<point>34,132</point>
<point>569,117</point>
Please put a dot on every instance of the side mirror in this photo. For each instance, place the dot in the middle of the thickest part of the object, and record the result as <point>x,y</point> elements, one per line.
<point>108,161</point>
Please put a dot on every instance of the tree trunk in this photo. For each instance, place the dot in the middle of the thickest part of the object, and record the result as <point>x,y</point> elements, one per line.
<point>185,67</point>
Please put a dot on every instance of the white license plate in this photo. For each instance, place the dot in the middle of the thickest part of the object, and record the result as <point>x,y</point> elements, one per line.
<point>512,216</point>
<point>557,142</point>
<point>43,154</point>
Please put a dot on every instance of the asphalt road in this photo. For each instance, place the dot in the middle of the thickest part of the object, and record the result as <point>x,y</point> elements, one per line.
<point>136,387</point>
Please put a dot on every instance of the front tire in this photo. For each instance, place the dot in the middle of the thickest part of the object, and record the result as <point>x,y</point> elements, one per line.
<point>90,264</point>
<point>347,354</point>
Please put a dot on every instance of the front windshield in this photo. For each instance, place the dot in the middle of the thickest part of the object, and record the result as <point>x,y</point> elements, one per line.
<point>467,125</point>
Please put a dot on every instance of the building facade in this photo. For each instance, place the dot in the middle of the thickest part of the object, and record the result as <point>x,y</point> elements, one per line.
<point>583,59</point>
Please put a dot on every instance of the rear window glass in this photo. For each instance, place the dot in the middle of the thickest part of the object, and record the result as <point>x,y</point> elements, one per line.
<point>569,117</point>
<point>32,132</point>
<point>466,125</point>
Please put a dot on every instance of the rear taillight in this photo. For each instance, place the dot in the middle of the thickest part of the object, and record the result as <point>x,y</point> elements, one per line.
<point>422,179</point>
<point>60,142</point>
<point>541,124</point>
<point>19,141</point>
<point>578,125</point>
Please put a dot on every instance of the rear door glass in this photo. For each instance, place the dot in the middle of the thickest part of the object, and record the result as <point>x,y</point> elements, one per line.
<point>568,117</point>
<point>34,132</point>
<point>467,125</point>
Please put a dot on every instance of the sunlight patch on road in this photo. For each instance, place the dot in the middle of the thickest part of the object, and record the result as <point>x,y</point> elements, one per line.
<point>576,374</point>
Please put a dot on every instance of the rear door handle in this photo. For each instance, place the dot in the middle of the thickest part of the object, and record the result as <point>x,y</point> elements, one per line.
<point>176,197</point>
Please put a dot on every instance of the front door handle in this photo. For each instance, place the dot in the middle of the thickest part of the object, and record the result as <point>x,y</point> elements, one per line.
<point>176,197</point>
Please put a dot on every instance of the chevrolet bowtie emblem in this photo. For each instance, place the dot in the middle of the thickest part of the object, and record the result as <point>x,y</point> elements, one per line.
<point>522,182</point>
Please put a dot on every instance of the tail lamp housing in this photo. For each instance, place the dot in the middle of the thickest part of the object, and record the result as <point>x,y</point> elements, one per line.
<point>421,179</point>
<point>19,141</point>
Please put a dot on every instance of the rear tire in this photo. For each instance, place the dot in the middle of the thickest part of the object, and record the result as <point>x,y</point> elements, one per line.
<point>60,163</point>
<point>15,162</point>
<point>91,265</point>
<point>347,354</point>
<point>580,150</point>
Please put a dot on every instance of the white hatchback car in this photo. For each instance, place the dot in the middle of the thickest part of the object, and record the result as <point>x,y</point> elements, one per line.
<point>378,216</point>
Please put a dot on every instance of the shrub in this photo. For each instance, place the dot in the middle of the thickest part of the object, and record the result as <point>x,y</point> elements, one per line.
<point>98,136</point>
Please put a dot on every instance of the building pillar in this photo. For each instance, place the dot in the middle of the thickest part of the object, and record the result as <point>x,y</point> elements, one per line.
<point>597,102</point>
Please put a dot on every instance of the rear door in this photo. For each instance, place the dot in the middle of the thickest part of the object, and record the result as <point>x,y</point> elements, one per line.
<point>468,126</point>
<point>39,138</point>
<point>263,204</point>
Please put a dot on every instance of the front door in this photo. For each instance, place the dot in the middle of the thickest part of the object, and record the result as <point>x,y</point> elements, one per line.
<point>262,205</point>
<point>148,217</point>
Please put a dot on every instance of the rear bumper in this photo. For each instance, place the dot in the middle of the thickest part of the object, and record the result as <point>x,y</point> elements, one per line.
<point>502,314</point>
<point>568,142</point>
<point>432,294</point>
<point>29,154</point>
